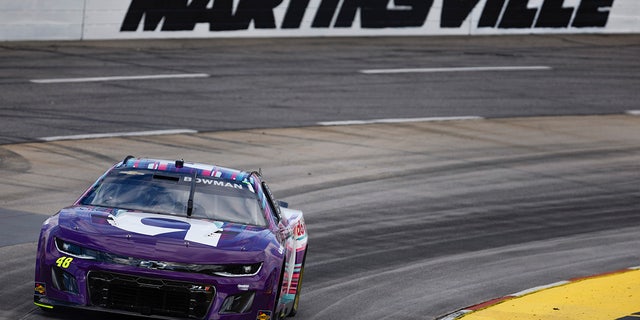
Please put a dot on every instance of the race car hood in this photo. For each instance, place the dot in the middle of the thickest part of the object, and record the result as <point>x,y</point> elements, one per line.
<point>162,237</point>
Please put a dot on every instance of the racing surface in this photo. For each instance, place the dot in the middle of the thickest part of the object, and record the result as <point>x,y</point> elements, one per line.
<point>271,83</point>
<point>406,220</point>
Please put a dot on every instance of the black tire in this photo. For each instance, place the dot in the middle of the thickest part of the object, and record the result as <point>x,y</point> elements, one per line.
<point>279,316</point>
<point>296,301</point>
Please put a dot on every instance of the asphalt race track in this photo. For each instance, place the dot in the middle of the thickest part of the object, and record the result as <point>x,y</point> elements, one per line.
<point>407,220</point>
<point>299,82</point>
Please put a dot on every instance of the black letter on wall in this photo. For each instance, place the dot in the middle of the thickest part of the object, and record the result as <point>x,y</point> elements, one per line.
<point>260,11</point>
<point>178,16</point>
<point>325,14</point>
<point>374,13</point>
<point>295,13</point>
<point>491,13</point>
<point>592,13</point>
<point>517,15</point>
<point>153,11</point>
<point>403,18</point>
<point>553,15</point>
<point>221,17</point>
<point>454,12</point>
<point>350,8</point>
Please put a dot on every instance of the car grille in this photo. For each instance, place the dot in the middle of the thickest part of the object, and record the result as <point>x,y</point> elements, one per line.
<point>150,296</point>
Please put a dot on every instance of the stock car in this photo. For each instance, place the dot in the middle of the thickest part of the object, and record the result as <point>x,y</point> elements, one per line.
<point>174,240</point>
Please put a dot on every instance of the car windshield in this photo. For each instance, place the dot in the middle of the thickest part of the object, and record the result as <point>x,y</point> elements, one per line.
<point>168,193</point>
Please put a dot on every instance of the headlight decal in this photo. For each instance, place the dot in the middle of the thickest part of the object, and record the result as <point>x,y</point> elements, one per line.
<point>75,250</point>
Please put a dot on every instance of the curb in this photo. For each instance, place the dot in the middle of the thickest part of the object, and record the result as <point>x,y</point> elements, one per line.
<point>490,303</point>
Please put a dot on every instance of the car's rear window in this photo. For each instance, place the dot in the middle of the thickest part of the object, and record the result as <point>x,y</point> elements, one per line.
<point>168,193</point>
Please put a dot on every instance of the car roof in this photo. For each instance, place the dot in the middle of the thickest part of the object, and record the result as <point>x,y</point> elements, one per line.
<point>180,166</point>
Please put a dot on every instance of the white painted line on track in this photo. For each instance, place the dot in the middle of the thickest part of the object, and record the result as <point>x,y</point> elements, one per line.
<point>539,288</point>
<point>117,134</point>
<point>455,315</point>
<point>122,78</point>
<point>396,120</point>
<point>633,112</point>
<point>459,69</point>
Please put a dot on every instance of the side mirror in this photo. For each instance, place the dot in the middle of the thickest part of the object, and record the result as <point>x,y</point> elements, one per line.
<point>283,204</point>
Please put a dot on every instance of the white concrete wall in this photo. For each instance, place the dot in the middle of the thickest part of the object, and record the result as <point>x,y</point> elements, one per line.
<point>117,19</point>
<point>41,19</point>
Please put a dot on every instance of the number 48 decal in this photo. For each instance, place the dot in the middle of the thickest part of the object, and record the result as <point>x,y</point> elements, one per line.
<point>64,262</point>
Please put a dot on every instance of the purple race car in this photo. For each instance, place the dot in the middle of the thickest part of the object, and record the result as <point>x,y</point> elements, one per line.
<point>174,240</point>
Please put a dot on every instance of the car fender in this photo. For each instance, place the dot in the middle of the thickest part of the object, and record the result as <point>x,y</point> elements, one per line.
<point>296,248</point>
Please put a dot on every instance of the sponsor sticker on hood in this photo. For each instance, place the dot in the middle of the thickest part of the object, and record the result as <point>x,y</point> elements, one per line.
<point>192,230</point>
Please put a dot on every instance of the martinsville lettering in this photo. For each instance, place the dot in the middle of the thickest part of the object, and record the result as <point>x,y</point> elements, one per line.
<point>227,15</point>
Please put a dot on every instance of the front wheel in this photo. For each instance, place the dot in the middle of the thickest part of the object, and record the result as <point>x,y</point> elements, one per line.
<point>296,301</point>
<point>281,315</point>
